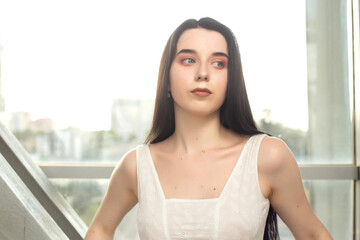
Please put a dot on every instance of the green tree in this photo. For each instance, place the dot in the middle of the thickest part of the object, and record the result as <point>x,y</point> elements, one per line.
<point>83,196</point>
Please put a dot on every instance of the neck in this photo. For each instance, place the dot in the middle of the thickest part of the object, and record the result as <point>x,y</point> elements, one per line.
<point>195,132</point>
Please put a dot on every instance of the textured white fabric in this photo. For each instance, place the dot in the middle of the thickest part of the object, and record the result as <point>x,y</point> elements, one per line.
<point>238,213</point>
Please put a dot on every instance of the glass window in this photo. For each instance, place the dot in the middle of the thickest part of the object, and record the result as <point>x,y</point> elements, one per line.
<point>85,197</point>
<point>332,202</point>
<point>310,84</point>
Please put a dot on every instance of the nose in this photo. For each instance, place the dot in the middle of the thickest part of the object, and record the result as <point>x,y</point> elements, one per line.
<point>202,74</point>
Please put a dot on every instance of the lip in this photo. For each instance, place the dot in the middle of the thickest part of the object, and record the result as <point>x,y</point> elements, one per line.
<point>201,92</point>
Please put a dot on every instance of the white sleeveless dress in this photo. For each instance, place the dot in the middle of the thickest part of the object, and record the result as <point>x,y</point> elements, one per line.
<point>238,213</point>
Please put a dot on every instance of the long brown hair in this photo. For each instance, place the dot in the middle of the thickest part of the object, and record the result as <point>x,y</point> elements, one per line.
<point>235,113</point>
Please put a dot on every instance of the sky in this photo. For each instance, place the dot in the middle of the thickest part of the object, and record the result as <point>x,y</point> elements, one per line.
<point>67,60</point>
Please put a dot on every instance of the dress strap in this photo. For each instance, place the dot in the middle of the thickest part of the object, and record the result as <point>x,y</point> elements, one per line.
<point>148,185</point>
<point>254,146</point>
<point>141,170</point>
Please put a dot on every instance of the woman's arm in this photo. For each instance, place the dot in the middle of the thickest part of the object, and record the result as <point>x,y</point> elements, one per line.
<point>280,177</point>
<point>119,199</point>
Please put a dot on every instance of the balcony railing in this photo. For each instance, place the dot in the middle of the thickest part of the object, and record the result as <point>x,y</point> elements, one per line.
<point>104,170</point>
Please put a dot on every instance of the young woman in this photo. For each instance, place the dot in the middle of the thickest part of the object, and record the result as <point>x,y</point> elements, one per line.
<point>205,171</point>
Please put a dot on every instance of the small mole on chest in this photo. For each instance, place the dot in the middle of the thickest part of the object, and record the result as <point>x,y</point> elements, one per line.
<point>214,189</point>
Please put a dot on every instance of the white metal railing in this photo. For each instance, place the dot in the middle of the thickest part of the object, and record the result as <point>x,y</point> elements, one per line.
<point>104,170</point>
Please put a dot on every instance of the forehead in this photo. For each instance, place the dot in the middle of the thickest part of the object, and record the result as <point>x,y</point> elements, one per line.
<point>201,39</point>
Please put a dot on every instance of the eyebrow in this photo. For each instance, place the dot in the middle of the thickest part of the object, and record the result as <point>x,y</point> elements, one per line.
<point>194,52</point>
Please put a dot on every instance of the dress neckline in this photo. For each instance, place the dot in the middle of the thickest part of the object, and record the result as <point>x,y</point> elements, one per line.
<point>157,179</point>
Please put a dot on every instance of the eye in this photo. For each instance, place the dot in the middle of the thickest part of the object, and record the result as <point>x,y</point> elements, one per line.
<point>188,61</point>
<point>219,64</point>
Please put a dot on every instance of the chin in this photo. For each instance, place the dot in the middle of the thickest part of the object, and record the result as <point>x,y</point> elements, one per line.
<point>204,112</point>
<point>198,108</point>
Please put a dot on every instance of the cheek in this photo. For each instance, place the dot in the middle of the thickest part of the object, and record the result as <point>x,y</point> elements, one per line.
<point>223,82</point>
<point>179,78</point>
<point>174,82</point>
<point>224,87</point>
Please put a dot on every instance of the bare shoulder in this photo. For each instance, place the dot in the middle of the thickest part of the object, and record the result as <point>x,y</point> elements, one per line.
<point>127,163</point>
<point>274,155</point>
<point>276,165</point>
<point>280,181</point>
<point>125,172</point>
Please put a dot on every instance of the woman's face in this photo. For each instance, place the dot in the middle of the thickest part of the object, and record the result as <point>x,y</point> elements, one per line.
<point>199,72</point>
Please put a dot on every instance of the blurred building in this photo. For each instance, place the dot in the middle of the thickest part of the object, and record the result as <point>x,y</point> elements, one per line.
<point>43,125</point>
<point>20,121</point>
<point>131,118</point>
<point>62,145</point>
